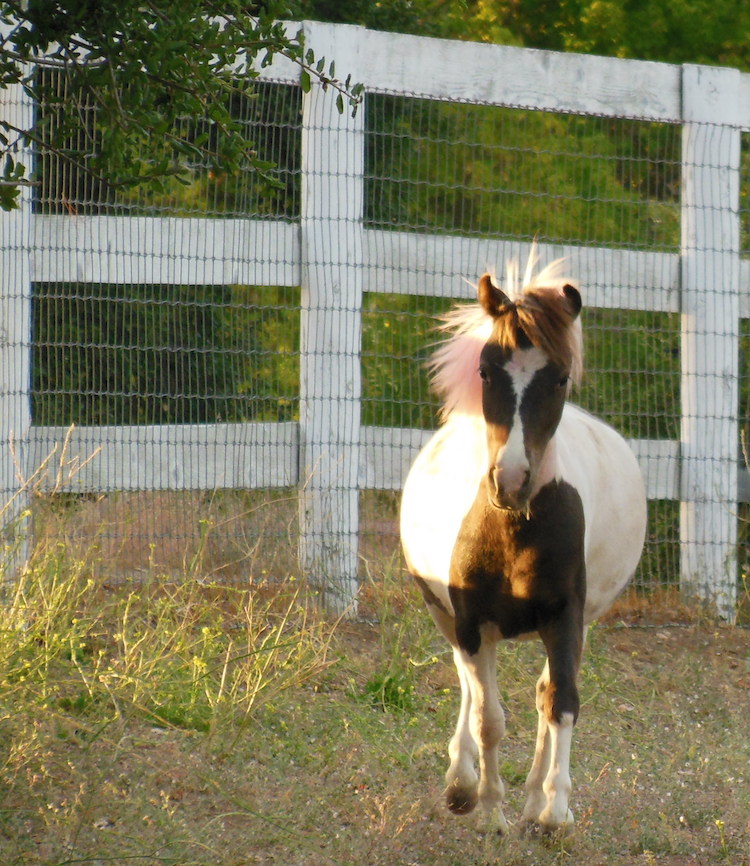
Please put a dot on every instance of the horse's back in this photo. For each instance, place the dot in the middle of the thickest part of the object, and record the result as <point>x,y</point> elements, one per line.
<point>590,455</point>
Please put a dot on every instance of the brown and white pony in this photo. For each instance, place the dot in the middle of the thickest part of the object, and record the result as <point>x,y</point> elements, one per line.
<point>522,515</point>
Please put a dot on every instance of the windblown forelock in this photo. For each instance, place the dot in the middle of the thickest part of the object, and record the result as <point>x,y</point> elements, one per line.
<point>544,317</point>
<point>454,365</point>
<point>540,310</point>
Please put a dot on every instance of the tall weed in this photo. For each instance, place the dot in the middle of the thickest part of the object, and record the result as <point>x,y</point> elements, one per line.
<point>188,655</point>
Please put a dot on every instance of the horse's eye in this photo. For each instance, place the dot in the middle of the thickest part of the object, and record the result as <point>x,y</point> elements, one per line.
<point>563,381</point>
<point>483,374</point>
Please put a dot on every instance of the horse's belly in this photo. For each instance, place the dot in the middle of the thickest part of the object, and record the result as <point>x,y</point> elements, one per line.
<point>606,474</point>
<point>438,492</point>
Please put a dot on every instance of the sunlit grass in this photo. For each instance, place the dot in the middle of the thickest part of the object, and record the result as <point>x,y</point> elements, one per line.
<point>184,654</point>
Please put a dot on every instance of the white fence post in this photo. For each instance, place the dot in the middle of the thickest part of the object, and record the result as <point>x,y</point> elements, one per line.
<point>331,325</point>
<point>710,335</point>
<point>15,342</point>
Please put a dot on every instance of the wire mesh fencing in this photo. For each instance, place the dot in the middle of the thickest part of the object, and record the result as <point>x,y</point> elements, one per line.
<point>188,334</point>
<point>131,355</point>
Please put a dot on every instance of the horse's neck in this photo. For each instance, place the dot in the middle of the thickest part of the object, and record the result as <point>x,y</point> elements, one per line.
<point>549,468</point>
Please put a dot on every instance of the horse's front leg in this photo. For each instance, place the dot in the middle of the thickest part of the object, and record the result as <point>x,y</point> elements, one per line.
<point>482,714</point>
<point>461,780</point>
<point>548,784</point>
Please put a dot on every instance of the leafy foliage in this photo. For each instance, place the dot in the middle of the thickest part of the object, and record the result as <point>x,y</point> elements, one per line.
<point>144,67</point>
<point>397,333</point>
<point>265,183</point>
<point>633,371</point>
<point>672,31</point>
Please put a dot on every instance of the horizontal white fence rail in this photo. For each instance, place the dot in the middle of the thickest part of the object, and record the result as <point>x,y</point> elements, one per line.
<point>199,251</point>
<point>247,456</point>
<point>330,253</point>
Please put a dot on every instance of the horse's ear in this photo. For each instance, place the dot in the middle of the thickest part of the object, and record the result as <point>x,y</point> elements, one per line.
<point>492,299</point>
<point>573,297</point>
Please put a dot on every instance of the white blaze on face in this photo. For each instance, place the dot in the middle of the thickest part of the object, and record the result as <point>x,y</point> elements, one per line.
<point>512,460</point>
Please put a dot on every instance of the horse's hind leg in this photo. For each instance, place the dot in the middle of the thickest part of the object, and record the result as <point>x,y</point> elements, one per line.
<point>461,780</point>
<point>482,714</point>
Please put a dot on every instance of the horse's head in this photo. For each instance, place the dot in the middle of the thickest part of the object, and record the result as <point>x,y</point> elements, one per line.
<point>525,367</point>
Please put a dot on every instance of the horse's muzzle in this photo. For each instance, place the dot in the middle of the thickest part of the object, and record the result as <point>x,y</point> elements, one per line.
<point>512,495</point>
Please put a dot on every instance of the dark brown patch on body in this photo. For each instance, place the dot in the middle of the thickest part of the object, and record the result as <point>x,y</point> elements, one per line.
<point>525,574</point>
<point>429,596</point>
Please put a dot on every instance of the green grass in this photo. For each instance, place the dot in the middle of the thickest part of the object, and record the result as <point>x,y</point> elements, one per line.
<point>198,724</point>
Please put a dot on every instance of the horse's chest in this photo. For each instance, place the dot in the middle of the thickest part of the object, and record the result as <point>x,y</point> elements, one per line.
<point>516,571</point>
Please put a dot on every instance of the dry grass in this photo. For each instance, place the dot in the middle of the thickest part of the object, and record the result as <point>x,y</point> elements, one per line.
<point>322,744</point>
<point>238,537</point>
<point>232,536</point>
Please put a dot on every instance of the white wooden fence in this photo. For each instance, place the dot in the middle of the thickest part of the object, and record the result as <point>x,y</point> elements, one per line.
<point>335,259</point>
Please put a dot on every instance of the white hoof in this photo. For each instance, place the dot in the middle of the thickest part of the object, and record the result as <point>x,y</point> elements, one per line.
<point>492,821</point>
<point>547,825</point>
<point>535,805</point>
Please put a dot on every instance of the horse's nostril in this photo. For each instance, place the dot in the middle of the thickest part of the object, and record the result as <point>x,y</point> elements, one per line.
<point>514,483</point>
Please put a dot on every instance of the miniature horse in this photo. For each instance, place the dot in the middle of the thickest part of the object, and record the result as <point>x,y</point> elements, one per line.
<point>523,514</point>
